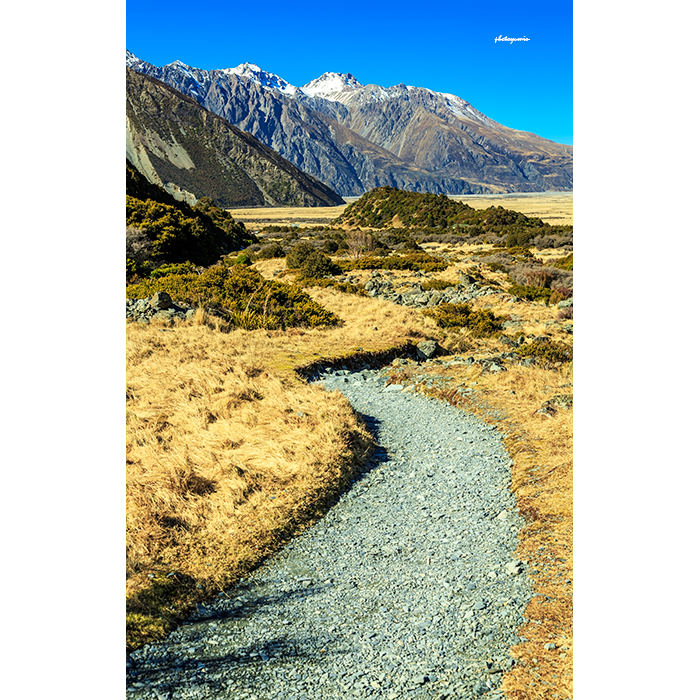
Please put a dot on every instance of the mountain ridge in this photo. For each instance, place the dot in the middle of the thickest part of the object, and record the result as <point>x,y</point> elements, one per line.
<point>191,152</point>
<point>430,141</point>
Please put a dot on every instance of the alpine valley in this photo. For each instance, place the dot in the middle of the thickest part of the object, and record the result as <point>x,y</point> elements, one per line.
<point>355,137</point>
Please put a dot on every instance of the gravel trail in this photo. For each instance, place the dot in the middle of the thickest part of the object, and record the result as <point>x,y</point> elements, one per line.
<point>407,588</point>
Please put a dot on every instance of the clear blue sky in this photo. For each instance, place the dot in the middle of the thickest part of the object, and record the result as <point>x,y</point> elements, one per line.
<point>446,46</point>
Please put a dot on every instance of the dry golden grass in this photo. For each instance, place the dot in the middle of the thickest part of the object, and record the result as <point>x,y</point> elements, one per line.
<point>552,207</point>
<point>302,216</point>
<point>229,453</point>
<point>214,431</point>
<point>225,460</point>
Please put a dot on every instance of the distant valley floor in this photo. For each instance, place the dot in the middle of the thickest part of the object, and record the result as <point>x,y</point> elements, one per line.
<point>552,207</point>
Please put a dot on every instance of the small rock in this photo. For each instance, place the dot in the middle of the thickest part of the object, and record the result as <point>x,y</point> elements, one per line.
<point>161,300</point>
<point>427,349</point>
<point>514,568</point>
<point>550,646</point>
<point>480,688</point>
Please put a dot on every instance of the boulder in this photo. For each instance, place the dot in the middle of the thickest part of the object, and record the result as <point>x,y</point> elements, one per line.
<point>161,300</point>
<point>550,407</point>
<point>427,349</point>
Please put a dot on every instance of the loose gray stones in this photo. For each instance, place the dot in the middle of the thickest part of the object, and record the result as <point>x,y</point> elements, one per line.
<point>388,595</point>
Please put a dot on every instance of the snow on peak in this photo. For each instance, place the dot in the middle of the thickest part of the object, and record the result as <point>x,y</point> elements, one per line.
<point>329,85</point>
<point>269,81</point>
<point>131,60</point>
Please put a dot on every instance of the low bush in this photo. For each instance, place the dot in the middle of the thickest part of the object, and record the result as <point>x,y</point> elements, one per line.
<point>439,285</point>
<point>565,263</point>
<point>539,278</point>
<point>268,252</point>
<point>410,261</point>
<point>546,352</point>
<point>243,259</point>
<point>559,294</point>
<point>241,296</point>
<point>317,265</point>
<point>299,253</point>
<point>481,322</point>
<point>566,314</point>
<point>173,269</point>
<point>531,293</point>
<point>135,269</point>
<point>496,267</point>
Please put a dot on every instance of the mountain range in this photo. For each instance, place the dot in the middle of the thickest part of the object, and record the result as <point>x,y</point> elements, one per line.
<point>355,137</point>
<point>179,145</point>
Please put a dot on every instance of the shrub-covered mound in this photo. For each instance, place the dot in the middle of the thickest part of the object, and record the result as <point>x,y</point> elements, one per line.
<point>382,207</point>
<point>173,231</point>
<point>481,322</point>
<point>242,296</point>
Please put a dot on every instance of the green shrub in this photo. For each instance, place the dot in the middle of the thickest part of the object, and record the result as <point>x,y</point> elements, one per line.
<point>529,292</point>
<point>547,352</point>
<point>179,232</point>
<point>565,263</point>
<point>243,259</point>
<point>411,244</point>
<point>330,246</point>
<point>242,296</point>
<point>173,269</point>
<point>439,285</point>
<point>481,322</point>
<point>274,250</point>
<point>496,267</point>
<point>317,265</point>
<point>298,254</point>
<point>410,261</point>
<point>135,269</point>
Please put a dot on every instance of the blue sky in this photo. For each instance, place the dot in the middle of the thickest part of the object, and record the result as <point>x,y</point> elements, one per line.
<point>451,48</point>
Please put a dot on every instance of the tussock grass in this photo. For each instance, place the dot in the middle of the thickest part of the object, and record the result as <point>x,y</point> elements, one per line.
<point>225,461</point>
<point>229,454</point>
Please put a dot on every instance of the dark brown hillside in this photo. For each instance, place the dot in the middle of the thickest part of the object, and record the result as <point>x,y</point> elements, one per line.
<point>193,153</point>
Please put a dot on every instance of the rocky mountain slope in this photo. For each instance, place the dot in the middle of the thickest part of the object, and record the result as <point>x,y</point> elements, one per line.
<point>190,152</point>
<point>355,137</point>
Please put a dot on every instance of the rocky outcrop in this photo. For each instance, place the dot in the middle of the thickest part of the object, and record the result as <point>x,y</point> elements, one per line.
<point>383,286</point>
<point>177,144</point>
<point>159,307</point>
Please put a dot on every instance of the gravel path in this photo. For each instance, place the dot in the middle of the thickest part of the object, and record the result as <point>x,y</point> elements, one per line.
<point>407,588</point>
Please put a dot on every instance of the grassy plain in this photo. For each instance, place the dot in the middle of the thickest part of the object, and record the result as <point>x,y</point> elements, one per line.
<point>551,207</point>
<point>229,453</point>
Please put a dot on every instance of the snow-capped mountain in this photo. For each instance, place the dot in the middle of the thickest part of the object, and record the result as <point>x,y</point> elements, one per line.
<point>269,81</point>
<point>331,86</point>
<point>354,137</point>
<point>345,88</point>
